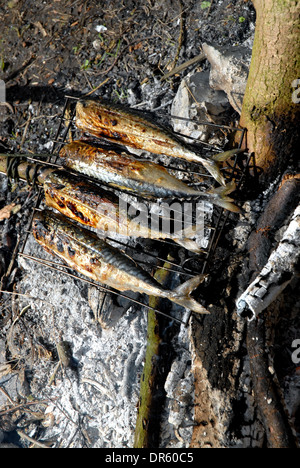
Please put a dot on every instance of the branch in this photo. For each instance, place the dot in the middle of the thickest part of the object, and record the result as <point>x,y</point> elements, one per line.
<point>277,211</point>
<point>267,394</point>
<point>147,423</point>
<point>275,275</point>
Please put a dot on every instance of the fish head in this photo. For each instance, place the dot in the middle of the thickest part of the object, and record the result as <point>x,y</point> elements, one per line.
<point>100,121</point>
<point>40,229</point>
<point>88,113</point>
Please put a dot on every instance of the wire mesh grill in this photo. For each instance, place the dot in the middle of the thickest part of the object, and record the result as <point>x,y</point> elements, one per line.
<point>65,132</point>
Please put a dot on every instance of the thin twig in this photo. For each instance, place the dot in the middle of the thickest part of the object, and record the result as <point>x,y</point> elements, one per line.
<point>30,439</point>
<point>22,405</point>
<point>180,38</point>
<point>7,395</point>
<point>121,52</point>
<point>7,105</point>
<point>208,11</point>
<point>97,87</point>
<point>183,66</point>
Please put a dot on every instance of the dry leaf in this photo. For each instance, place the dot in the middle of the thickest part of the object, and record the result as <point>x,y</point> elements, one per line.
<point>41,28</point>
<point>6,211</point>
<point>5,369</point>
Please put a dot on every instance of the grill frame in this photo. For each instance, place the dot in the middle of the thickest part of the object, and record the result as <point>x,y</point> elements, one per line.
<point>66,125</point>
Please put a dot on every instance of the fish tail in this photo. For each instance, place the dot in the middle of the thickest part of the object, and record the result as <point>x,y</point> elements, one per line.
<point>212,164</point>
<point>214,170</point>
<point>185,236</point>
<point>221,157</point>
<point>220,197</point>
<point>181,295</point>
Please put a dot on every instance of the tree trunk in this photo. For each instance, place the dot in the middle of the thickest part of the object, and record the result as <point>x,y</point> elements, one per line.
<point>271,105</point>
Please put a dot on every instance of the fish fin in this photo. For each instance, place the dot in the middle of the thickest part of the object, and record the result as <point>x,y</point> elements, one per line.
<point>181,295</point>
<point>220,157</point>
<point>214,170</point>
<point>189,245</point>
<point>212,164</point>
<point>221,198</point>
<point>229,188</point>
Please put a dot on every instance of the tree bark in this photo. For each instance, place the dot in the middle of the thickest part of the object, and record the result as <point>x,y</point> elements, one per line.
<point>268,396</point>
<point>271,106</point>
<point>270,113</point>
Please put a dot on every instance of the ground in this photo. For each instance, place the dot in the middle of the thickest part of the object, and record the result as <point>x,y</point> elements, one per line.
<point>121,51</point>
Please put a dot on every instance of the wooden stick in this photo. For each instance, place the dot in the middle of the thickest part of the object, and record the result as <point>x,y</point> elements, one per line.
<point>183,66</point>
<point>266,392</point>
<point>146,423</point>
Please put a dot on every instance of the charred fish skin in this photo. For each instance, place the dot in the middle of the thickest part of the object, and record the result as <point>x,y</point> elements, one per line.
<point>123,126</point>
<point>92,206</point>
<point>141,177</point>
<point>89,255</point>
<point>119,124</point>
<point>124,171</point>
<point>97,260</point>
<point>82,201</point>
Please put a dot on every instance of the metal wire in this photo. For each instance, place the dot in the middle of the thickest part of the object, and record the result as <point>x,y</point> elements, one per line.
<point>59,140</point>
<point>59,267</point>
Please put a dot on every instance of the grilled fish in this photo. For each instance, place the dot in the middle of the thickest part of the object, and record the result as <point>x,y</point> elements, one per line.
<point>99,261</point>
<point>141,177</point>
<point>125,126</point>
<point>93,206</point>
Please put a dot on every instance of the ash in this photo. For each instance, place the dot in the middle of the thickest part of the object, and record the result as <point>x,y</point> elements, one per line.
<point>93,402</point>
<point>177,420</point>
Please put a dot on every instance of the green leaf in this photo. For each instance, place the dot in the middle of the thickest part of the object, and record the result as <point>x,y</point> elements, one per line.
<point>205,5</point>
<point>86,65</point>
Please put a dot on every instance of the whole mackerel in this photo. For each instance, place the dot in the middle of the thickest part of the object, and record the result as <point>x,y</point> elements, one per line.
<point>97,260</point>
<point>92,205</point>
<point>145,178</point>
<point>130,128</point>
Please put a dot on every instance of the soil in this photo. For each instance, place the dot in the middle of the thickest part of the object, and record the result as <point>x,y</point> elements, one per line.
<point>119,50</point>
<point>48,50</point>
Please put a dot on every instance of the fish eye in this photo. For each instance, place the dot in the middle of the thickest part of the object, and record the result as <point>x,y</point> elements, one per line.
<point>71,251</point>
<point>59,246</point>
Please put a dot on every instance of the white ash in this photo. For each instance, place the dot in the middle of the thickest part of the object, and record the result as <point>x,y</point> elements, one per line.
<point>197,101</point>
<point>251,212</point>
<point>48,146</point>
<point>101,394</point>
<point>177,419</point>
<point>229,71</point>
